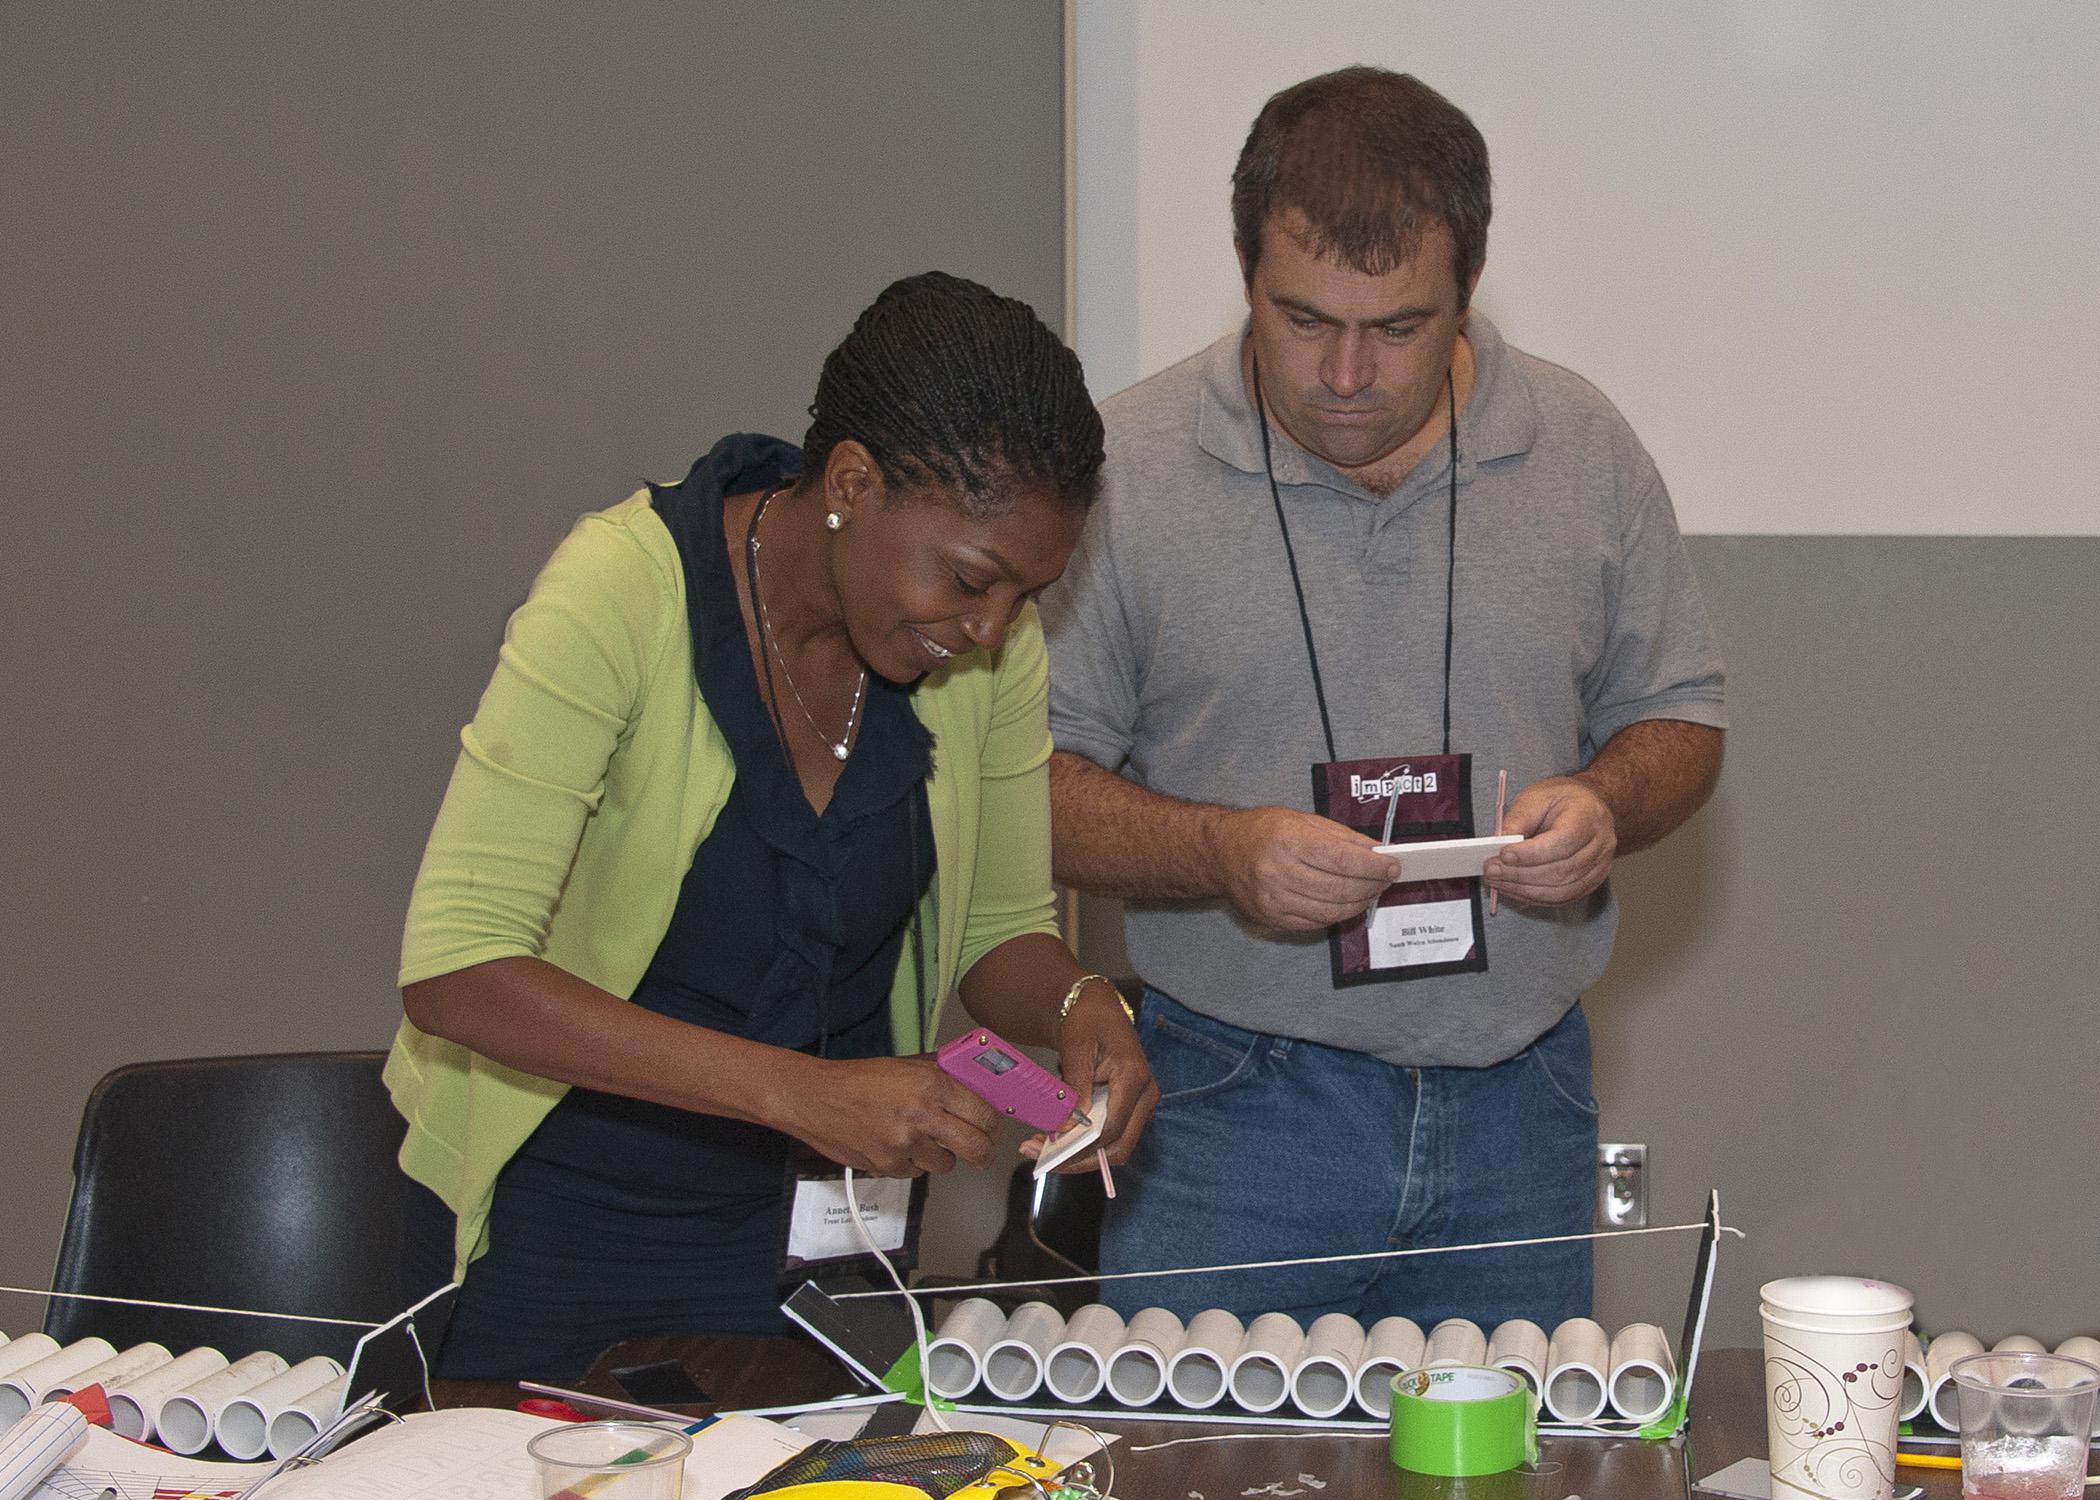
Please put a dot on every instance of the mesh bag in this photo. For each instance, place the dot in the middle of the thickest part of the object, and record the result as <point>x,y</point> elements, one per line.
<point>940,1463</point>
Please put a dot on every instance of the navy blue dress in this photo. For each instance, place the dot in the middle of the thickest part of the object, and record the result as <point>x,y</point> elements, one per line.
<point>620,1218</point>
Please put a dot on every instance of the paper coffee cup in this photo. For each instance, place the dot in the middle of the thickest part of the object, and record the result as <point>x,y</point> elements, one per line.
<point>1834,1372</point>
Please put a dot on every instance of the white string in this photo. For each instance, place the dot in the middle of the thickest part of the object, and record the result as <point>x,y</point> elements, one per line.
<point>1303,1260</point>
<point>234,1312</point>
<point>918,1320</point>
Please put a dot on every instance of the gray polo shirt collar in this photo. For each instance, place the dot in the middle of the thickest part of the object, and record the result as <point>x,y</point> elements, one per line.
<point>1500,419</point>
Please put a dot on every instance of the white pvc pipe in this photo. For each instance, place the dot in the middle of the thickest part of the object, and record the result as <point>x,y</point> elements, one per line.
<point>1643,1376</point>
<point>298,1422</point>
<point>244,1421</point>
<point>1013,1366</point>
<point>134,1406</point>
<point>1325,1376</point>
<point>1078,1367</point>
<point>1260,1377</point>
<point>955,1354</point>
<point>1576,1362</point>
<point>1197,1374</point>
<point>1137,1371</point>
<point>26,1387</point>
<point>1916,1384</point>
<point>139,1359</point>
<point>1456,1341</point>
<point>1520,1347</point>
<point>1391,1347</point>
<point>188,1417</point>
<point>1940,1356</point>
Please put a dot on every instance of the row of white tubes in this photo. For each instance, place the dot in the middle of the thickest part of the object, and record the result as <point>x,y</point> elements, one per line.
<point>252,1406</point>
<point>1578,1371</point>
<point>1928,1382</point>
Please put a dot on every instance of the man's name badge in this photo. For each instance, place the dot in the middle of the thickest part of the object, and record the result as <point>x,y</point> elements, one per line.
<point>1419,928</point>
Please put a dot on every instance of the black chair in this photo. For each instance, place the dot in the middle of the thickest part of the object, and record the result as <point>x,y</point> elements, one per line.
<point>1064,1239</point>
<point>254,1182</point>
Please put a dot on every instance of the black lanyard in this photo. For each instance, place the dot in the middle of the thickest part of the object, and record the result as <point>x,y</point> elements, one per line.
<point>1312,652</point>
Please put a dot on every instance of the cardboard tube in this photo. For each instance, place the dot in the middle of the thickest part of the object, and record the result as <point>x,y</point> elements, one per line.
<point>1391,1346</point>
<point>1196,1375</point>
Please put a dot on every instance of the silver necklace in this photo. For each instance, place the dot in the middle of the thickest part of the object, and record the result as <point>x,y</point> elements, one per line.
<point>843,745</point>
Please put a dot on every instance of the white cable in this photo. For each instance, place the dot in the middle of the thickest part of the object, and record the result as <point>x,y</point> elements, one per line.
<point>236,1312</point>
<point>1303,1260</point>
<point>918,1321</point>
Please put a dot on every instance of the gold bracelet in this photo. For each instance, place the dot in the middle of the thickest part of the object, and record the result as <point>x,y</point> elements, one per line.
<point>1072,996</point>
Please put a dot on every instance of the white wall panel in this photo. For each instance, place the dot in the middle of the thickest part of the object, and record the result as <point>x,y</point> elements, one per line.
<point>1836,261</point>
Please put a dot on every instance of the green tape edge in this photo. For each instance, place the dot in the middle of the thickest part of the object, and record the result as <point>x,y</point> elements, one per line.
<point>903,1378</point>
<point>1667,1424</point>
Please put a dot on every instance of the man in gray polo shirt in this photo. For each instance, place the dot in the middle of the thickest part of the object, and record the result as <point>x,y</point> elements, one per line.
<point>1357,580</point>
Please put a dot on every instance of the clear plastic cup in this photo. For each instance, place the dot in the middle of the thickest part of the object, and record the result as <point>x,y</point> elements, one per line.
<point>610,1461</point>
<point>2026,1424</point>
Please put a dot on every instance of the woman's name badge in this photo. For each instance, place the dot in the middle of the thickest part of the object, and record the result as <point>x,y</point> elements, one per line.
<point>1419,928</point>
<point>820,1232</point>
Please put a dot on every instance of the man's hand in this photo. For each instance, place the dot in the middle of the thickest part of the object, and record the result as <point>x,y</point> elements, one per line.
<point>1570,838</point>
<point>1296,872</point>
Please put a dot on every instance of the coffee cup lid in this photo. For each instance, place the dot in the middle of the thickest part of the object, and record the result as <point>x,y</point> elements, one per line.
<point>1835,1294</point>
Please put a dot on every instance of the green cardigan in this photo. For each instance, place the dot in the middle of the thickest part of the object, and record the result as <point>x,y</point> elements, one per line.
<point>590,774</point>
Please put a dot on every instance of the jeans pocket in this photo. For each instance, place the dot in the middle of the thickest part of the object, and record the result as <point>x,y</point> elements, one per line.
<point>1562,1058</point>
<point>1195,1056</point>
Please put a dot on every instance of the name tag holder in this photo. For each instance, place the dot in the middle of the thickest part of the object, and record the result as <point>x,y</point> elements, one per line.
<point>817,1235</point>
<point>1419,929</point>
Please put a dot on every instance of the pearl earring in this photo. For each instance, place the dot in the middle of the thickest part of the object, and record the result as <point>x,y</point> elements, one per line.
<point>833,521</point>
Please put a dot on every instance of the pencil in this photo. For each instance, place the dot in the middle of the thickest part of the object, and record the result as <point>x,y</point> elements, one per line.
<point>1928,1460</point>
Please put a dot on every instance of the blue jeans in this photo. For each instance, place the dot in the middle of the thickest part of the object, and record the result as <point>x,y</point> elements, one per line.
<point>1267,1148</point>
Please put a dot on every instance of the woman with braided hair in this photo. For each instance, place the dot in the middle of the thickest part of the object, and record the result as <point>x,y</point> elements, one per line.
<point>759,778</point>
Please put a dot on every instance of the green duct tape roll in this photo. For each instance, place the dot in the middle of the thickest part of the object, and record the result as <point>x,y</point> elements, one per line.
<point>1459,1420</point>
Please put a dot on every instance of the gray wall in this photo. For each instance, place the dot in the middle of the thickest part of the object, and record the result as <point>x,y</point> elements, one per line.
<point>320,325</point>
<point>1859,993</point>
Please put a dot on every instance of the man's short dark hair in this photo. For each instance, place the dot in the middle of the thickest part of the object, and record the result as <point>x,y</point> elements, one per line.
<point>1370,158</point>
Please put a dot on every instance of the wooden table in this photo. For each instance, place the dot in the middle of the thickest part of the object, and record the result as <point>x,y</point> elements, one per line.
<point>1727,1424</point>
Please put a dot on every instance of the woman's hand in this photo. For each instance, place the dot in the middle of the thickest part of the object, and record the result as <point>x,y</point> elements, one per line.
<point>885,1116</point>
<point>1096,1045</point>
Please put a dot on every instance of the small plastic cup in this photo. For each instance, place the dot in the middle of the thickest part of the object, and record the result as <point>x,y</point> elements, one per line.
<point>610,1461</point>
<point>2026,1424</point>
